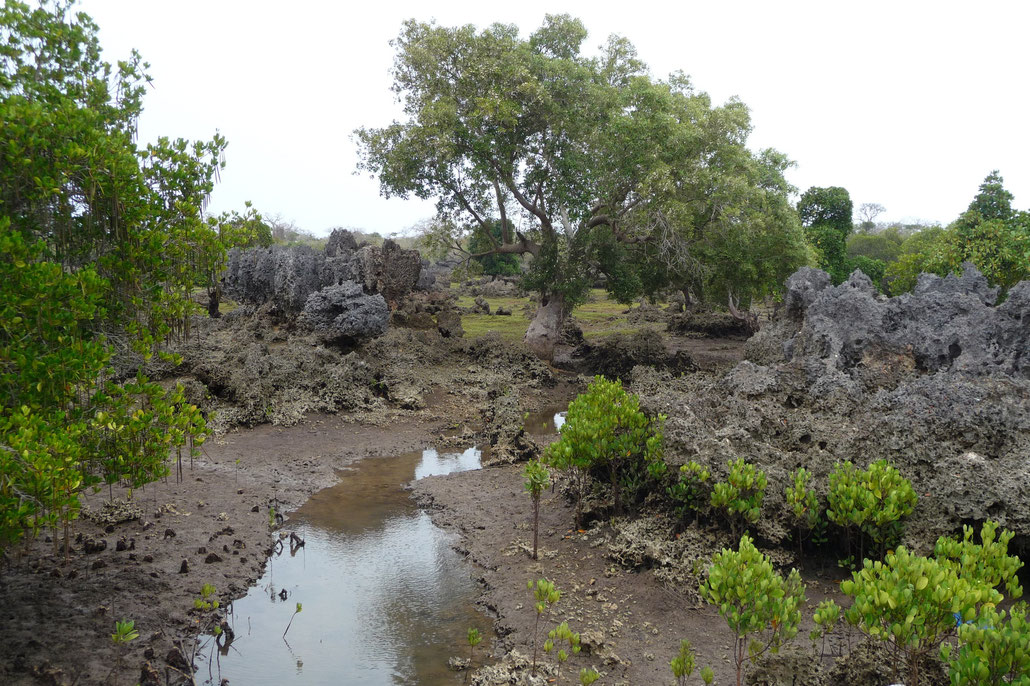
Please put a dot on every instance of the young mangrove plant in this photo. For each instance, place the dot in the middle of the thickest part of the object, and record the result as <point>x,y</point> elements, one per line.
<point>690,492</point>
<point>826,618</point>
<point>124,632</point>
<point>537,479</point>
<point>994,650</point>
<point>987,562</point>
<point>545,594</point>
<point>804,506</point>
<point>682,665</point>
<point>869,504</point>
<point>206,602</point>
<point>762,609</point>
<point>588,675</point>
<point>560,637</point>
<point>913,603</point>
<point>740,496</point>
<point>474,638</point>
<point>605,430</point>
<point>290,623</point>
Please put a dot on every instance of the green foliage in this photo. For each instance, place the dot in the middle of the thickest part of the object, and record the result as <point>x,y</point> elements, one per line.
<point>124,632</point>
<point>985,563</point>
<point>912,602</point>
<point>826,618</point>
<point>607,168</point>
<point>741,495</point>
<point>492,264</point>
<point>826,215</point>
<point>95,236</point>
<point>588,675</point>
<point>874,269</point>
<point>473,637</point>
<point>992,201</point>
<point>296,612</point>
<point>682,665</point>
<point>993,650</point>
<point>762,609</point>
<point>560,637</point>
<point>707,675</point>
<point>605,430</point>
<point>690,492</point>
<point>869,504</point>
<point>884,246</point>
<point>207,600</point>
<point>537,479</point>
<point>545,594</point>
<point>804,506</point>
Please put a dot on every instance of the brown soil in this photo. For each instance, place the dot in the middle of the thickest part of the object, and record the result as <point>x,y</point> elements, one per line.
<point>633,621</point>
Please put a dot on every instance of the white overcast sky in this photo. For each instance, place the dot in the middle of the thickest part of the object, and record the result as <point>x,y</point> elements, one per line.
<point>907,104</point>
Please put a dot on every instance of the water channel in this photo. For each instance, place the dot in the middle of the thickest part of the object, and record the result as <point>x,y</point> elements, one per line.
<point>385,600</point>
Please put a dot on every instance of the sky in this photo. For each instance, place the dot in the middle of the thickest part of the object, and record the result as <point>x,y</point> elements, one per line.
<point>907,104</point>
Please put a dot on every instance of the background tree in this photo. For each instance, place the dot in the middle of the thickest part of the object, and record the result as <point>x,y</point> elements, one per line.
<point>95,239</point>
<point>493,264</point>
<point>867,213</point>
<point>826,215</point>
<point>584,161</point>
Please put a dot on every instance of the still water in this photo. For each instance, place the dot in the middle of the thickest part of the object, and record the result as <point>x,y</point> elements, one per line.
<point>385,600</point>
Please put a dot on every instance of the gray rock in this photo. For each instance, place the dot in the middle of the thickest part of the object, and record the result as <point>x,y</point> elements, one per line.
<point>448,322</point>
<point>344,314</point>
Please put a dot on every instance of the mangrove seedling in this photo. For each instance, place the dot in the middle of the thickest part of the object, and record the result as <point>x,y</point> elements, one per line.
<point>682,665</point>
<point>740,496</point>
<point>762,609</point>
<point>474,638</point>
<point>826,617</point>
<point>545,594</point>
<point>537,479</point>
<point>913,603</point>
<point>690,492</point>
<point>588,675</point>
<point>124,632</point>
<point>707,675</point>
<point>804,505</point>
<point>295,613</point>
<point>561,636</point>
<point>987,562</point>
<point>206,601</point>
<point>869,504</point>
<point>992,651</point>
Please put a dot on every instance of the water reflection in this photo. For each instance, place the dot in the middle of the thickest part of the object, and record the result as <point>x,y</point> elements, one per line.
<point>385,599</point>
<point>546,422</point>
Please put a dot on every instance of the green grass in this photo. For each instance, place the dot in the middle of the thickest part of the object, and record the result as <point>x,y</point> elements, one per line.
<point>598,317</point>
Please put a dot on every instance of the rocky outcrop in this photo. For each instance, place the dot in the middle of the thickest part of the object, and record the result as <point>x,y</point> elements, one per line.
<point>345,315</point>
<point>283,277</point>
<point>936,381</point>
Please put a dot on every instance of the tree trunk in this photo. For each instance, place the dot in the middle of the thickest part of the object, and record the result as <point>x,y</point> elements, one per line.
<point>536,521</point>
<point>545,329</point>
<point>214,298</point>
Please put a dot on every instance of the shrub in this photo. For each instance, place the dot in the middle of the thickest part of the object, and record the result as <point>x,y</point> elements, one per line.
<point>605,430</point>
<point>987,563</point>
<point>912,602</point>
<point>682,665</point>
<point>869,503</point>
<point>537,479</point>
<point>741,495</point>
<point>690,491</point>
<point>826,618</point>
<point>992,650</point>
<point>804,506</point>
<point>761,608</point>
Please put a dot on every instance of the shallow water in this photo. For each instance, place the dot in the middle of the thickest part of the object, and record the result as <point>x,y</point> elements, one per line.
<point>545,422</point>
<point>385,599</point>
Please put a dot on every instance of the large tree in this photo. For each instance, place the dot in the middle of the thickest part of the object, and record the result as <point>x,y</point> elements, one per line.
<point>587,163</point>
<point>826,216</point>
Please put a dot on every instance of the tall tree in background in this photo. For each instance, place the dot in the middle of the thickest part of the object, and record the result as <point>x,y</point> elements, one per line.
<point>826,215</point>
<point>586,163</point>
<point>101,246</point>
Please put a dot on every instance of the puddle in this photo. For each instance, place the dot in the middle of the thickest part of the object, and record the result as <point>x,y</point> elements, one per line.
<point>385,599</point>
<point>546,422</point>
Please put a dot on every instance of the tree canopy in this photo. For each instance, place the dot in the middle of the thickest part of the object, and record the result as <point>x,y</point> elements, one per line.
<point>101,245</point>
<point>589,164</point>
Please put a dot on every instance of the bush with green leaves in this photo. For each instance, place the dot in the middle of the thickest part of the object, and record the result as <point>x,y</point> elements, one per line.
<point>560,638</point>
<point>993,650</point>
<point>762,609</point>
<point>826,617</point>
<point>740,496</point>
<point>588,675</point>
<point>869,504</point>
<point>545,594</point>
<point>690,492</point>
<point>537,479</point>
<point>987,562</point>
<point>605,431</point>
<point>913,603</point>
<point>803,504</point>
<point>683,664</point>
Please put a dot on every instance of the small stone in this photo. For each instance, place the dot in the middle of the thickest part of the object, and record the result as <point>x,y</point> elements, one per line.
<point>121,545</point>
<point>109,528</point>
<point>98,564</point>
<point>184,568</point>
<point>169,533</point>
<point>212,557</point>
<point>255,509</point>
<point>201,550</point>
<point>148,558</point>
